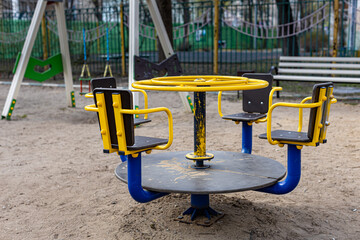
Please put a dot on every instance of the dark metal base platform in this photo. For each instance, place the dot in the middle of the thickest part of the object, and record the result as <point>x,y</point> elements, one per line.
<point>229,172</point>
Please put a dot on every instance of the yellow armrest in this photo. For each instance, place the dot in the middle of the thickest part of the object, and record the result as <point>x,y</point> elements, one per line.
<point>219,104</point>
<point>89,95</point>
<point>273,90</point>
<point>301,113</point>
<point>145,99</point>
<point>91,108</point>
<point>271,94</point>
<point>283,104</point>
<point>152,110</point>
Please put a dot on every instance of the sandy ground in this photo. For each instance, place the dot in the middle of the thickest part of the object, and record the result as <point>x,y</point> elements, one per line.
<point>56,183</point>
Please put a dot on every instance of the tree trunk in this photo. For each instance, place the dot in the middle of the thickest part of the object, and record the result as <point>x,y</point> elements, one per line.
<point>185,45</point>
<point>290,46</point>
<point>98,5</point>
<point>166,15</point>
<point>344,13</point>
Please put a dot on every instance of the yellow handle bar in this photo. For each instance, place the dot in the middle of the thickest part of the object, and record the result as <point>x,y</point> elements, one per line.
<point>152,110</point>
<point>283,104</point>
<point>89,95</point>
<point>91,108</point>
<point>145,100</point>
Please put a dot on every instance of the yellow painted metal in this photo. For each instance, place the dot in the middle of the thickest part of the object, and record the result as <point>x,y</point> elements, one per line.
<point>216,37</point>
<point>273,90</point>
<point>118,113</point>
<point>271,95</point>
<point>319,112</point>
<point>219,104</point>
<point>200,135</point>
<point>91,108</point>
<point>108,70</point>
<point>194,156</point>
<point>333,100</point>
<point>119,122</point>
<point>103,120</point>
<point>301,113</point>
<point>89,95</point>
<point>123,64</point>
<point>145,100</point>
<point>200,83</point>
<point>152,110</point>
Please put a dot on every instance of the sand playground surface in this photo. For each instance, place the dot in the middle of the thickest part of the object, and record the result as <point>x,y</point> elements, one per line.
<point>56,183</point>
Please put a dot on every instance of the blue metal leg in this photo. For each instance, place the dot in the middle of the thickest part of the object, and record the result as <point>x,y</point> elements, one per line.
<point>200,206</point>
<point>123,158</point>
<point>246,138</point>
<point>134,182</point>
<point>293,173</point>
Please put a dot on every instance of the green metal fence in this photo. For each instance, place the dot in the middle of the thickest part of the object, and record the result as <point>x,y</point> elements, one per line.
<point>253,34</point>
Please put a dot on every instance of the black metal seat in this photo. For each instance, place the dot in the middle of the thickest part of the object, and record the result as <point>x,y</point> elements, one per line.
<point>321,100</point>
<point>255,106</point>
<point>255,102</point>
<point>110,82</point>
<point>115,113</point>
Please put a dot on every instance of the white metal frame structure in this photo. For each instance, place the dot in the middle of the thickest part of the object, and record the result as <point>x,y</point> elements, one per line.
<point>134,42</point>
<point>26,52</point>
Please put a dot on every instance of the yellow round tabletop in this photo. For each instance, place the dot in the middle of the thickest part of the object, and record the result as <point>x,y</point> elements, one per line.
<point>206,83</point>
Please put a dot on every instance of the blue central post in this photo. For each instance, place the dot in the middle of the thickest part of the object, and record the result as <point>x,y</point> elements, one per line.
<point>246,138</point>
<point>200,205</point>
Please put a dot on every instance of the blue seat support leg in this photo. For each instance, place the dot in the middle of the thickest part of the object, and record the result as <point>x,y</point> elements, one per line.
<point>134,182</point>
<point>246,138</point>
<point>293,173</point>
<point>123,158</point>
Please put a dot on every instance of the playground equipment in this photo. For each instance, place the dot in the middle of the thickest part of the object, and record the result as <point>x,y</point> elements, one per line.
<point>25,65</point>
<point>321,100</point>
<point>255,106</point>
<point>171,172</point>
<point>85,68</point>
<point>115,111</point>
<point>107,66</point>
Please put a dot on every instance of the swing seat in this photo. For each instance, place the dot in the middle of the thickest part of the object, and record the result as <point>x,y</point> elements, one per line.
<point>255,102</point>
<point>53,63</point>
<point>110,82</point>
<point>145,69</point>
<point>115,114</point>
<point>321,99</point>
